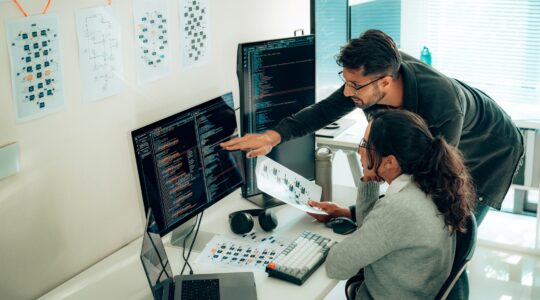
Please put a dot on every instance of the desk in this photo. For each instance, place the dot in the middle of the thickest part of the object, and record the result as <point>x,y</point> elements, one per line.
<point>531,175</point>
<point>349,139</point>
<point>121,276</point>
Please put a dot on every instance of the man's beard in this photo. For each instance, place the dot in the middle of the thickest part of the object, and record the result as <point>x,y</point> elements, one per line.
<point>378,95</point>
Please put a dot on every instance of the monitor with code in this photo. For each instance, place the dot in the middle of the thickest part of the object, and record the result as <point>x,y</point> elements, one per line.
<point>182,169</point>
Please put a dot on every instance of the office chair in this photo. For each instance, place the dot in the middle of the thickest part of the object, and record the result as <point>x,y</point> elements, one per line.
<point>352,285</point>
<point>465,245</point>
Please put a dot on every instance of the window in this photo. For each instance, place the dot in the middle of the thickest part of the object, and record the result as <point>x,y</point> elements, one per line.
<point>492,45</point>
<point>330,28</point>
<point>380,14</point>
<point>330,23</point>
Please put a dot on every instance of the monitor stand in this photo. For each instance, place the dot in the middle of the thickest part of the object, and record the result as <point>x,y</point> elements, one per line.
<point>265,201</point>
<point>179,234</point>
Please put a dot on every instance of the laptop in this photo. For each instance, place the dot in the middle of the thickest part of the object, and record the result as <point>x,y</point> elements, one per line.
<point>164,285</point>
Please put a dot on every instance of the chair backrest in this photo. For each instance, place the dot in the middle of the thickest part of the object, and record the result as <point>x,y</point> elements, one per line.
<point>465,245</point>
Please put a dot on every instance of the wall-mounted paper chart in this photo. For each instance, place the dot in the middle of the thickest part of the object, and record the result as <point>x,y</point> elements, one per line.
<point>100,52</point>
<point>194,26</point>
<point>286,185</point>
<point>36,73</point>
<point>151,39</point>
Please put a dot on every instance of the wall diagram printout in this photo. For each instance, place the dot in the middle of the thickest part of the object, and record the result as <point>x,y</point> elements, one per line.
<point>194,26</point>
<point>286,185</point>
<point>36,73</point>
<point>100,53</point>
<point>151,39</point>
<point>251,250</point>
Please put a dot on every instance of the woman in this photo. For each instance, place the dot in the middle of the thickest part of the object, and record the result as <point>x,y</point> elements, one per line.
<point>405,242</point>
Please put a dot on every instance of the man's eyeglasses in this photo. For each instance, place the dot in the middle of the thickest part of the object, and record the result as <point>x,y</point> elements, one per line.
<point>356,87</point>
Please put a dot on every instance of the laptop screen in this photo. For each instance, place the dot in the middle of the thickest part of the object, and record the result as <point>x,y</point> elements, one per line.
<point>153,257</point>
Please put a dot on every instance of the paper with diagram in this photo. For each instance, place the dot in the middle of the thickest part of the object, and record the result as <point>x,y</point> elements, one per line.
<point>286,185</point>
<point>100,53</point>
<point>151,39</point>
<point>194,27</point>
<point>36,72</point>
<point>252,250</point>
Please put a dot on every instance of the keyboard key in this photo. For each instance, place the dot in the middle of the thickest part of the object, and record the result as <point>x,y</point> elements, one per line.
<point>200,289</point>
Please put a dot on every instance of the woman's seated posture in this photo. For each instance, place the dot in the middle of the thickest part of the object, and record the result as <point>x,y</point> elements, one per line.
<point>405,241</point>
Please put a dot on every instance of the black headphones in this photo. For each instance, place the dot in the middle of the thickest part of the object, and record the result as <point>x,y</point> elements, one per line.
<point>241,221</point>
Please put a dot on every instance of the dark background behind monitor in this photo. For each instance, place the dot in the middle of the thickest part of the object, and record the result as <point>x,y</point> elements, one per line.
<point>182,169</point>
<point>277,79</point>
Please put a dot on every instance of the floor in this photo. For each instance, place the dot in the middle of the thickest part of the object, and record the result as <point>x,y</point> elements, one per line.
<point>499,269</point>
<point>505,265</point>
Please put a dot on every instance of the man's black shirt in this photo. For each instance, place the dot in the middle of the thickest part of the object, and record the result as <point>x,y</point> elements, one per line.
<point>465,116</point>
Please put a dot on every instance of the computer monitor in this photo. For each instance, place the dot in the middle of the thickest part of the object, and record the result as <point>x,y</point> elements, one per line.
<point>277,79</point>
<point>182,169</point>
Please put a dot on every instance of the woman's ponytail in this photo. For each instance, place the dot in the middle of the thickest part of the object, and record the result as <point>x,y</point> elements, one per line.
<point>445,178</point>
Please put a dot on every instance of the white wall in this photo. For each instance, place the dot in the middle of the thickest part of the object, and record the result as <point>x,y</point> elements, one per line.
<point>76,198</point>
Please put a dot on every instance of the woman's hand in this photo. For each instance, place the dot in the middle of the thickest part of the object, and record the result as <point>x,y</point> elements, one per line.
<point>369,175</point>
<point>333,211</point>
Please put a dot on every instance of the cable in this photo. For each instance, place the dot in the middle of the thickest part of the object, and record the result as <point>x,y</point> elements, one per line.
<point>192,243</point>
<point>184,247</point>
<point>24,12</point>
<point>20,8</point>
<point>46,7</point>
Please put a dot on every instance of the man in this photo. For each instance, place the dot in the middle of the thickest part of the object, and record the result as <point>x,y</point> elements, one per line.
<point>378,76</point>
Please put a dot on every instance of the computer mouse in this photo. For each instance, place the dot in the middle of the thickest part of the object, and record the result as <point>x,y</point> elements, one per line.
<point>341,225</point>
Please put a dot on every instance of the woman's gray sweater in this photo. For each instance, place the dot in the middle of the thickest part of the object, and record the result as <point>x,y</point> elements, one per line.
<point>402,244</point>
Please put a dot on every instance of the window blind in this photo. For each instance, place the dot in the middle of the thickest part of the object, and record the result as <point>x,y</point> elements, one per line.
<point>330,35</point>
<point>384,15</point>
<point>493,45</point>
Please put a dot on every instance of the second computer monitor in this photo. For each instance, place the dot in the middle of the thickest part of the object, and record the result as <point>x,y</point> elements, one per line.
<point>277,79</point>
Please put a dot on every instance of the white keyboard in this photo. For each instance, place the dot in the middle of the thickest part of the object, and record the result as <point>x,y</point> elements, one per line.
<point>301,258</point>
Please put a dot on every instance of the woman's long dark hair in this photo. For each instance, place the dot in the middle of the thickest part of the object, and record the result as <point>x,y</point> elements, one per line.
<point>435,166</point>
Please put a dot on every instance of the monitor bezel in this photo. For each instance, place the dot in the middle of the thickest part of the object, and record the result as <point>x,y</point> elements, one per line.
<point>262,42</point>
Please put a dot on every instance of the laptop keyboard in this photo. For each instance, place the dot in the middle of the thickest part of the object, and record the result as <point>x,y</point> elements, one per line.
<point>200,289</point>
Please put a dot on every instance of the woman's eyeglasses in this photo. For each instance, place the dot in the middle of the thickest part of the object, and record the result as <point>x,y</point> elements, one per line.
<point>364,144</point>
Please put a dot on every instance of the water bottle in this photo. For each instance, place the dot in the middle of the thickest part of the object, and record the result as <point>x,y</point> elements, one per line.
<point>323,172</point>
<point>425,56</point>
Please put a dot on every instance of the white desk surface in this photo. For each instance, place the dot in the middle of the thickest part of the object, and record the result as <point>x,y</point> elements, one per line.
<point>121,276</point>
<point>349,139</point>
<point>528,123</point>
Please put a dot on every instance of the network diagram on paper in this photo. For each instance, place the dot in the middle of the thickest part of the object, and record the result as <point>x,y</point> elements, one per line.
<point>35,64</point>
<point>195,28</point>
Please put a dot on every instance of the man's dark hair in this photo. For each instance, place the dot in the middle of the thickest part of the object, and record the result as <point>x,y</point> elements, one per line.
<point>374,51</point>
